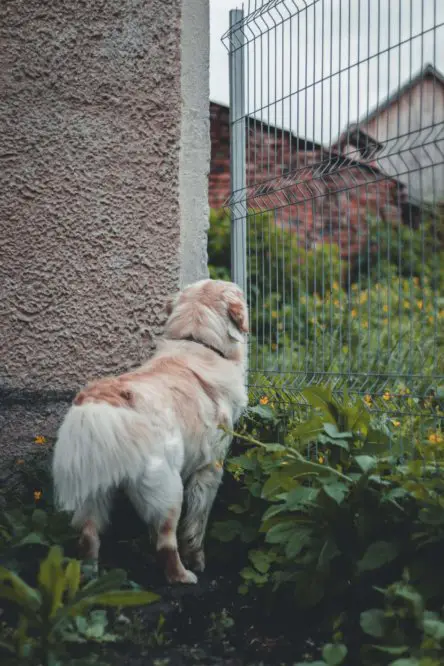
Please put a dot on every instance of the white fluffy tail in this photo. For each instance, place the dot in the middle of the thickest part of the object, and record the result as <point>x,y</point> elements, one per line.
<point>96,450</point>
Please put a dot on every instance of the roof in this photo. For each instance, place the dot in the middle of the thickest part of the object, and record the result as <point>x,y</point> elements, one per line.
<point>308,143</point>
<point>428,70</point>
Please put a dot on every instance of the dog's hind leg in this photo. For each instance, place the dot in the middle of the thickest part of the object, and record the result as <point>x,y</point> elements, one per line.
<point>91,519</point>
<point>157,497</point>
<point>200,492</point>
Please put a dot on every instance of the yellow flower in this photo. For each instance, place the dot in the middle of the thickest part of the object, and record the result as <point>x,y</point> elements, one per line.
<point>386,395</point>
<point>354,313</point>
<point>40,440</point>
<point>368,400</point>
<point>396,423</point>
<point>335,286</point>
<point>274,314</point>
<point>363,297</point>
<point>435,438</point>
<point>407,304</point>
<point>321,459</point>
<point>37,495</point>
<point>20,462</point>
<point>264,400</point>
<point>365,324</point>
<point>385,321</point>
<point>416,280</point>
<point>431,320</point>
<point>385,308</point>
<point>336,301</point>
<point>420,304</point>
<point>274,346</point>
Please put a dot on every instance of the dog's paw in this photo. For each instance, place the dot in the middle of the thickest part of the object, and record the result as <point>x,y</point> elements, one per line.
<point>185,576</point>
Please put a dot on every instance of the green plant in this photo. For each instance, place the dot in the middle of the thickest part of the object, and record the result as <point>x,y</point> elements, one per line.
<point>58,608</point>
<point>403,633</point>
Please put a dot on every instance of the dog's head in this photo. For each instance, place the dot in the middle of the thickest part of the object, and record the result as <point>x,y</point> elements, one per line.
<point>210,311</point>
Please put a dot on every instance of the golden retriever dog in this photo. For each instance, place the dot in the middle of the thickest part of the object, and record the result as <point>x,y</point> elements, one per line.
<point>155,431</point>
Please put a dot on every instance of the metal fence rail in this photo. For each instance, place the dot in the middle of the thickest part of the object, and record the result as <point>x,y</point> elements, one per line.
<point>337,194</point>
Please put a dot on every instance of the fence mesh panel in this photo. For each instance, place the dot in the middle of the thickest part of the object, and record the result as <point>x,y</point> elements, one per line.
<point>337,124</point>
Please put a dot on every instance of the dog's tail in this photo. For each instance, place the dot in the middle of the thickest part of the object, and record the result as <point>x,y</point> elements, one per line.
<point>98,447</point>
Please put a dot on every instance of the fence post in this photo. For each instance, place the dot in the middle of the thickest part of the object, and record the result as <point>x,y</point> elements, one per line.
<point>238,203</point>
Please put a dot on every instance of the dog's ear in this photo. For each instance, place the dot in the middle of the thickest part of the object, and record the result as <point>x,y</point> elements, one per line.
<point>237,318</point>
<point>171,302</point>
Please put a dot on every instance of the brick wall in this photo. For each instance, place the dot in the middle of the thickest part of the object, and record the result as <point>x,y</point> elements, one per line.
<point>322,196</point>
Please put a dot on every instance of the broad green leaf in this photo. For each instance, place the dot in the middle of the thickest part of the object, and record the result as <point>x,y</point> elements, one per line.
<point>394,650</point>
<point>264,412</point>
<point>274,510</point>
<point>434,628</point>
<point>300,496</point>
<point>261,560</point>
<point>300,538</point>
<point>33,538</point>
<point>336,491</point>
<point>117,598</point>
<point>410,661</point>
<point>377,555</point>
<point>321,398</point>
<point>279,533</point>
<point>334,653</point>
<point>366,463</point>
<point>373,622</point>
<point>332,431</point>
<point>13,588</point>
<point>72,577</point>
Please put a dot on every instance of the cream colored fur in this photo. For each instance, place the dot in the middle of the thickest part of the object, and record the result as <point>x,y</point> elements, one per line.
<point>155,431</point>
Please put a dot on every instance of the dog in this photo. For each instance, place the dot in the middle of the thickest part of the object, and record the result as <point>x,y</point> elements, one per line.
<point>155,431</point>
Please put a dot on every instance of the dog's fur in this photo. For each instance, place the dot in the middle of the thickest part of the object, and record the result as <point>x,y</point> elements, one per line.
<point>155,431</point>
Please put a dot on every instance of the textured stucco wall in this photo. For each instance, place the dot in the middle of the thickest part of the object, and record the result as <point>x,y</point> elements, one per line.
<point>90,118</point>
<point>195,141</point>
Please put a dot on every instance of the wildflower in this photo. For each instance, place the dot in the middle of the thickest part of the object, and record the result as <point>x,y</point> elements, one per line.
<point>37,495</point>
<point>385,308</point>
<point>416,280</point>
<point>420,304</point>
<point>363,297</point>
<point>407,304</point>
<point>385,321</point>
<point>321,459</point>
<point>354,313</point>
<point>431,320</point>
<point>20,461</point>
<point>435,438</point>
<point>396,423</point>
<point>386,395</point>
<point>336,302</point>
<point>365,324</point>
<point>335,286</point>
<point>264,400</point>
<point>274,314</point>
<point>368,400</point>
<point>40,440</point>
<point>274,346</point>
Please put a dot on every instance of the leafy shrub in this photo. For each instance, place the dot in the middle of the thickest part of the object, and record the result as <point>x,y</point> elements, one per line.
<point>58,609</point>
<point>330,509</point>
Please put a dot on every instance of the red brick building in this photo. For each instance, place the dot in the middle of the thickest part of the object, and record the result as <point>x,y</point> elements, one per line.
<point>322,194</point>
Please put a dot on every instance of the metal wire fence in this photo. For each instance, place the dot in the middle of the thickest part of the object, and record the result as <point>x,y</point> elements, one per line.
<point>337,194</point>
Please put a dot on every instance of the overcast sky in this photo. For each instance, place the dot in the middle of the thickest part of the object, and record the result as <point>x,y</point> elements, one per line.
<point>319,70</point>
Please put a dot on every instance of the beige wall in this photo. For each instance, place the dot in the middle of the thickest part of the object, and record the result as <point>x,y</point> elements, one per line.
<point>90,119</point>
